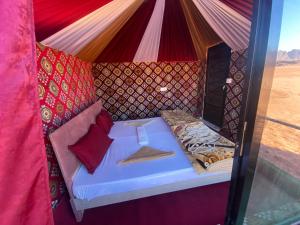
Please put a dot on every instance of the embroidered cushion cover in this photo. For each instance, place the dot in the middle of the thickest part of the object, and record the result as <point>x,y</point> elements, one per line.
<point>91,148</point>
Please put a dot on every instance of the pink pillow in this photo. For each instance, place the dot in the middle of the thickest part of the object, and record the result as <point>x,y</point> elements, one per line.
<point>104,120</point>
<point>91,148</point>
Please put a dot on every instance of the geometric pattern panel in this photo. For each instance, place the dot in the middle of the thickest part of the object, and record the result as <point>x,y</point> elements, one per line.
<point>66,87</point>
<point>234,95</point>
<point>132,90</point>
<point>201,90</point>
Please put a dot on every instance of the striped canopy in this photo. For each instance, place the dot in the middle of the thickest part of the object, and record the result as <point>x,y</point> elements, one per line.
<point>142,30</point>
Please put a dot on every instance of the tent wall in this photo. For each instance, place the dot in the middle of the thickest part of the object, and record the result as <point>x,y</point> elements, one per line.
<point>66,87</point>
<point>24,188</point>
<point>128,97</point>
<point>233,101</point>
<point>132,90</point>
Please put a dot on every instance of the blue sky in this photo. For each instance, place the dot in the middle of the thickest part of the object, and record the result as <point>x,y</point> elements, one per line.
<point>290,28</point>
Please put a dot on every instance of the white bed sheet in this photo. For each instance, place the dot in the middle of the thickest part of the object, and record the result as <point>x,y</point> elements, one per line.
<point>111,177</point>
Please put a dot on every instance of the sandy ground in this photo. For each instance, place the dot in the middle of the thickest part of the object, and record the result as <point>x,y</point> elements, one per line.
<point>280,143</point>
<point>285,95</point>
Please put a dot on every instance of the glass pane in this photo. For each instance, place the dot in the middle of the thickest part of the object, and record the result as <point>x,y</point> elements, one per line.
<point>275,194</point>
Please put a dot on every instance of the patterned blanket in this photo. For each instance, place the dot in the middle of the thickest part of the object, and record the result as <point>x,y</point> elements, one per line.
<point>202,145</point>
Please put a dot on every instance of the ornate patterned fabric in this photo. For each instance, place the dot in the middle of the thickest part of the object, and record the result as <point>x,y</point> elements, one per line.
<point>202,145</point>
<point>234,95</point>
<point>65,86</point>
<point>177,117</point>
<point>132,90</point>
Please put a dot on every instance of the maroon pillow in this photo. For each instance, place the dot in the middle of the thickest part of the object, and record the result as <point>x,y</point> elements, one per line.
<point>91,148</point>
<point>104,120</point>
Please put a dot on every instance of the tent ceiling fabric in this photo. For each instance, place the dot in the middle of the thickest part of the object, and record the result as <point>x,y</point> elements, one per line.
<point>203,35</point>
<point>75,37</point>
<point>149,46</point>
<point>175,43</point>
<point>92,50</point>
<point>244,7</point>
<point>52,16</point>
<point>232,27</point>
<point>124,42</point>
<point>148,30</point>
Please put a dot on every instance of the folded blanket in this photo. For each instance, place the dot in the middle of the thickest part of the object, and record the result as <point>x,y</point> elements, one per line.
<point>177,117</point>
<point>146,153</point>
<point>138,123</point>
<point>203,146</point>
<point>142,136</point>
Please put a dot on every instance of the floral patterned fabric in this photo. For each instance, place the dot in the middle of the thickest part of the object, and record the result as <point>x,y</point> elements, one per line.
<point>65,86</point>
<point>203,146</point>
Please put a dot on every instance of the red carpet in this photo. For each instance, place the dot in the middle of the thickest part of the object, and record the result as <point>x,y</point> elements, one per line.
<point>198,206</point>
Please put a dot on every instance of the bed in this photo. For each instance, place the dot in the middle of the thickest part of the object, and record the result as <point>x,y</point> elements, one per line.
<point>113,182</point>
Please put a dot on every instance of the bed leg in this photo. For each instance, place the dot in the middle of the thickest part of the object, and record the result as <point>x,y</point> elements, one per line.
<point>78,213</point>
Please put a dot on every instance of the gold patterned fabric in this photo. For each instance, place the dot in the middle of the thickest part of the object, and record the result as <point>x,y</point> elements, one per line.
<point>202,145</point>
<point>177,117</point>
<point>65,88</point>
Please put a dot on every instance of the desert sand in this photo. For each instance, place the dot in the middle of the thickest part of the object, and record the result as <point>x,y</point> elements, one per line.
<point>281,143</point>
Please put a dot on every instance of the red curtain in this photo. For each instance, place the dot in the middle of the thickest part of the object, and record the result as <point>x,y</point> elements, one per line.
<point>125,44</point>
<point>175,43</point>
<point>53,15</point>
<point>24,187</point>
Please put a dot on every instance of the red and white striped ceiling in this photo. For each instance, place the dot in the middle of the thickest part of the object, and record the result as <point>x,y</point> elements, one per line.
<point>142,30</point>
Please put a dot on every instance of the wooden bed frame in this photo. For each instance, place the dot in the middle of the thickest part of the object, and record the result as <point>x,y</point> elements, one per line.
<point>70,132</point>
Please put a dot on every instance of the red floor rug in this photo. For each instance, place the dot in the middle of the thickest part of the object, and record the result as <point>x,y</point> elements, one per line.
<point>198,206</point>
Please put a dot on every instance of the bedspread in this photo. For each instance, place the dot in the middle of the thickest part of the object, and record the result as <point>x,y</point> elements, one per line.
<point>203,146</point>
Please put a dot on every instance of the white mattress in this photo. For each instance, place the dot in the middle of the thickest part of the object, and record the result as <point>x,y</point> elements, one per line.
<point>111,177</point>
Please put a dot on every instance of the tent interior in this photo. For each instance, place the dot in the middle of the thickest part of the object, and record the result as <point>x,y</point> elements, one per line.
<point>171,74</point>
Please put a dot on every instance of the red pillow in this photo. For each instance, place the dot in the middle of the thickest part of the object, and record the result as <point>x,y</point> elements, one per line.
<point>104,120</point>
<point>91,148</point>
